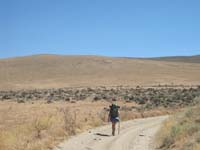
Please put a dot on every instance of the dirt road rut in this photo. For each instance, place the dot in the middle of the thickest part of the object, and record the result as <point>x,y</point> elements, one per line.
<point>134,135</point>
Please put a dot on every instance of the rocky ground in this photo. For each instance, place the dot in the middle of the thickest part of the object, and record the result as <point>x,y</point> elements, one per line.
<point>148,97</point>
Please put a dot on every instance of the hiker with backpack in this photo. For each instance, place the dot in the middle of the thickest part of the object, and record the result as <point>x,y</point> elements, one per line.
<point>114,117</point>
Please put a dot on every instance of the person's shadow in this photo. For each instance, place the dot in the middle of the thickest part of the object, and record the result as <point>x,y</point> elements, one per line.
<point>100,134</point>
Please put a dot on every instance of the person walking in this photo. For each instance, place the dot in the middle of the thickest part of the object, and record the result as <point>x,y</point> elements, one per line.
<point>114,116</point>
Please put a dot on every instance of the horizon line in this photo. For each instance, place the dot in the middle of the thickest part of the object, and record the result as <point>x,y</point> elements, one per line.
<point>97,55</point>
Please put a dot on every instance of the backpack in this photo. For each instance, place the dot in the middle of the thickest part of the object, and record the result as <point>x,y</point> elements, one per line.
<point>114,111</point>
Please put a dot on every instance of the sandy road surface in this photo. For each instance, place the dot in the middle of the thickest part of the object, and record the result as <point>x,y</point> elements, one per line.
<point>134,135</point>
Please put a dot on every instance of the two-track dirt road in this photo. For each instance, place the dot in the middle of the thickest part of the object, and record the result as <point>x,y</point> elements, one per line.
<point>134,135</point>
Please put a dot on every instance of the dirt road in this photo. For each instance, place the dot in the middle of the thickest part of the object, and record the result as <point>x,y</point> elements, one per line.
<point>134,135</point>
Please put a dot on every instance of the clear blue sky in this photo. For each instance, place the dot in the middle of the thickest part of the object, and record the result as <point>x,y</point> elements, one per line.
<point>132,28</point>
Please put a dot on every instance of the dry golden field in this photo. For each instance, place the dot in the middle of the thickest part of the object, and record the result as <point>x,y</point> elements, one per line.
<point>181,131</point>
<point>55,71</point>
<point>40,126</point>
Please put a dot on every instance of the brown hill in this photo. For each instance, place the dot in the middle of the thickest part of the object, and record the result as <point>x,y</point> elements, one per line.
<point>47,71</point>
<point>186,59</point>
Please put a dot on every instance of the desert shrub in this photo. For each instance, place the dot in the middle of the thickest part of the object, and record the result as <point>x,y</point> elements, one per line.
<point>70,122</point>
<point>42,123</point>
<point>96,98</point>
<point>148,106</point>
<point>181,131</point>
<point>49,101</point>
<point>197,100</point>
<point>20,101</point>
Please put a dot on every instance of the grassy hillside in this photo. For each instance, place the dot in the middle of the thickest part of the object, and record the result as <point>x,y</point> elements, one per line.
<point>182,131</point>
<point>185,59</point>
<point>47,71</point>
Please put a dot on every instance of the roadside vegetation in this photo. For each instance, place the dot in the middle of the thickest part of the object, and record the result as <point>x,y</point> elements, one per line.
<point>40,126</point>
<point>181,131</point>
<point>39,120</point>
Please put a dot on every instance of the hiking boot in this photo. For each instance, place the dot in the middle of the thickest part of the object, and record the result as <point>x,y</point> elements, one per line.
<point>113,132</point>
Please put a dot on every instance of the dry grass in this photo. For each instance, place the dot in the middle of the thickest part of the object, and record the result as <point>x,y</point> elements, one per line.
<point>53,71</point>
<point>129,115</point>
<point>41,126</point>
<point>181,132</point>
